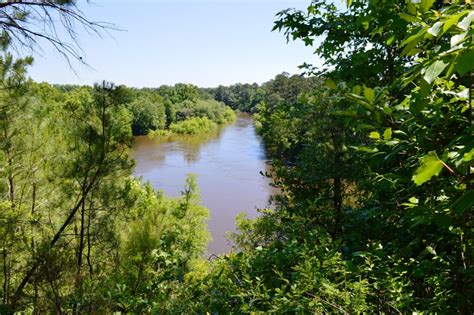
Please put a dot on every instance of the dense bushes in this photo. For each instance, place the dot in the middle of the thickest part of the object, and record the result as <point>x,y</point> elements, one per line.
<point>79,235</point>
<point>242,97</point>
<point>246,97</point>
<point>161,243</point>
<point>374,169</point>
<point>148,113</point>
<point>167,109</point>
<point>210,109</point>
<point>153,111</point>
<point>195,125</point>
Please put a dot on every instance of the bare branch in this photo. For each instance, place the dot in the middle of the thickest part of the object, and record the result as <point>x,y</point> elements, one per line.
<point>24,23</point>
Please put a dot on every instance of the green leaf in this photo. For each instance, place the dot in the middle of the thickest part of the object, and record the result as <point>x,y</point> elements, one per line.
<point>426,5</point>
<point>434,70</point>
<point>356,90</point>
<point>330,84</point>
<point>430,166</point>
<point>308,41</point>
<point>369,94</point>
<point>366,149</point>
<point>442,220</point>
<point>411,8</point>
<point>465,62</point>
<point>452,21</point>
<point>346,113</point>
<point>410,43</point>
<point>414,38</point>
<point>451,68</point>
<point>361,101</point>
<point>374,135</point>
<point>360,254</point>
<point>387,134</point>
<point>469,156</point>
<point>409,18</point>
<point>425,89</point>
<point>390,40</point>
<point>366,25</point>
<point>431,250</point>
<point>465,202</point>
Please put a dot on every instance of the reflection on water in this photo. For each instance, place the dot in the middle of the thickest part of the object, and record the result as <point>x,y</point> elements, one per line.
<point>227,163</point>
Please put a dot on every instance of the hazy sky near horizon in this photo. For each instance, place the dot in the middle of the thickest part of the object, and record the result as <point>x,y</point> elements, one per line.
<point>202,42</point>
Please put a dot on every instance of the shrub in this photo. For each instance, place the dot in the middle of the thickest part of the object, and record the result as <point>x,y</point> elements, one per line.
<point>196,125</point>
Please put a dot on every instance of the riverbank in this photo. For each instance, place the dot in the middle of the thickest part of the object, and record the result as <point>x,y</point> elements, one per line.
<point>227,162</point>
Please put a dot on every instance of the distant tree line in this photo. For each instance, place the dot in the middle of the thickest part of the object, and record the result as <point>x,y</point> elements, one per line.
<point>169,109</point>
<point>246,97</point>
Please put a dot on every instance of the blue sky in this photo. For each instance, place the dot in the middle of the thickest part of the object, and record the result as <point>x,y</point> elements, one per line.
<point>202,42</point>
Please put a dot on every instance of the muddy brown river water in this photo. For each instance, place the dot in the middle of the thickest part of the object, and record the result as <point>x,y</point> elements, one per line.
<point>227,164</point>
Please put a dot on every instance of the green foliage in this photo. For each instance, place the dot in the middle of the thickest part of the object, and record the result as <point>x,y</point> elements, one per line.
<point>179,93</point>
<point>359,44</point>
<point>283,111</point>
<point>407,139</point>
<point>372,163</point>
<point>78,235</point>
<point>196,125</point>
<point>160,245</point>
<point>373,169</point>
<point>242,97</point>
<point>431,166</point>
<point>148,113</point>
<point>280,278</point>
<point>213,110</point>
<point>158,112</point>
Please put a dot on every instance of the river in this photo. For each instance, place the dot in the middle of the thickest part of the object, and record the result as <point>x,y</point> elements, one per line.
<point>227,163</point>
